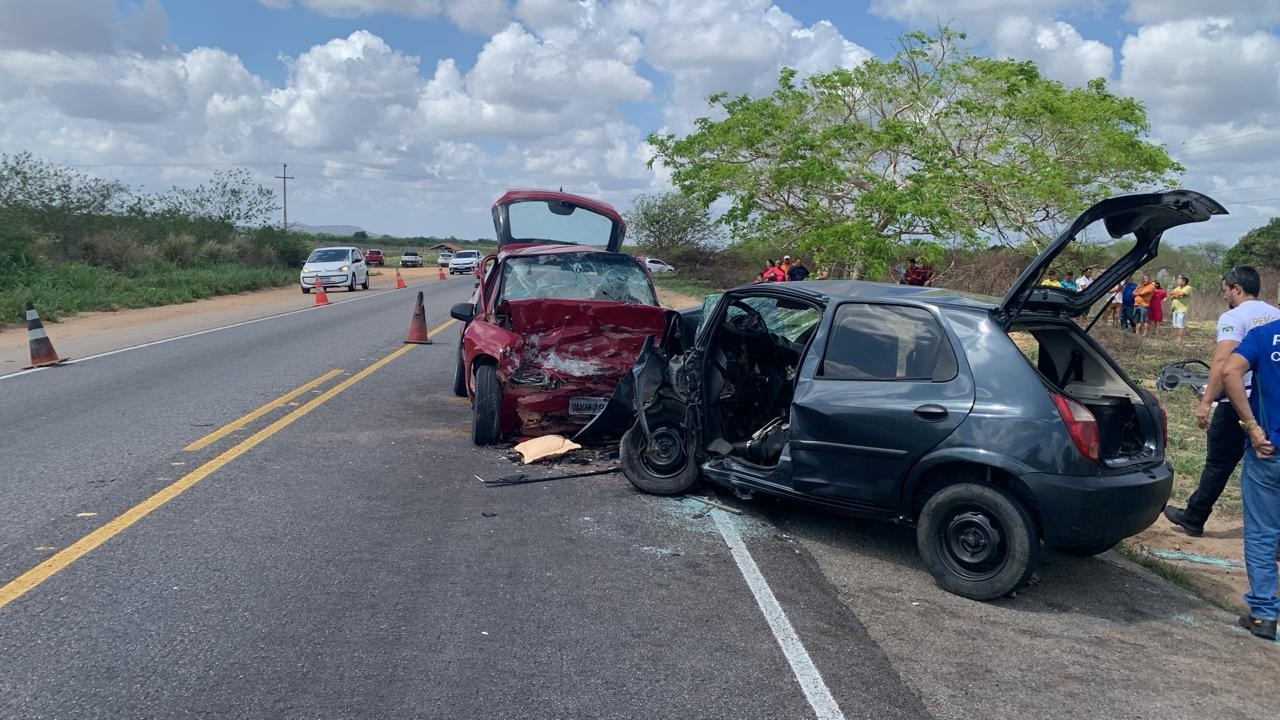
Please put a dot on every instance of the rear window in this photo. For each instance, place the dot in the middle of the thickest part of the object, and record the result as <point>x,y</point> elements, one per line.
<point>887,342</point>
<point>542,220</point>
<point>576,276</point>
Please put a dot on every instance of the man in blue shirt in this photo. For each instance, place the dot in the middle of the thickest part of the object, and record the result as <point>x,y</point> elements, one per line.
<point>1259,352</point>
<point>1126,304</point>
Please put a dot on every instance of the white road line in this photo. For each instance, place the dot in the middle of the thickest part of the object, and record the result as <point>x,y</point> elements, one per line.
<point>200,332</point>
<point>815,690</point>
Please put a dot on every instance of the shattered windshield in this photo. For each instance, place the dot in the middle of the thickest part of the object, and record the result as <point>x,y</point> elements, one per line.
<point>330,255</point>
<point>533,220</point>
<point>576,276</point>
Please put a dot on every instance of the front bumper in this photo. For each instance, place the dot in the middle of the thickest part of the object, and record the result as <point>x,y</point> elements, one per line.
<point>461,269</point>
<point>1077,511</point>
<point>326,279</point>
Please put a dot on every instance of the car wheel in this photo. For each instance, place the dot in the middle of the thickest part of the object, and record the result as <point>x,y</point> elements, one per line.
<point>351,286</point>
<point>1088,550</point>
<point>665,468</point>
<point>306,290</point>
<point>486,409</point>
<point>460,375</point>
<point>365,285</point>
<point>977,541</point>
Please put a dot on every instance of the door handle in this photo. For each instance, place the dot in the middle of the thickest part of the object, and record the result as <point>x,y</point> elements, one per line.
<point>931,413</point>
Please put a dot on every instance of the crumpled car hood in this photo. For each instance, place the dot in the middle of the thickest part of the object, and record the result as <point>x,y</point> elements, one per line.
<point>586,339</point>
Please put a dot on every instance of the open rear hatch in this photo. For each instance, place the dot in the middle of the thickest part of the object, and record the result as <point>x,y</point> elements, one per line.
<point>1145,215</point>
<point>545,217</point>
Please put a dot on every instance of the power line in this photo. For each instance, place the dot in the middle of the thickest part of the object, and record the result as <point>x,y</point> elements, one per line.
<point>1227,137</point>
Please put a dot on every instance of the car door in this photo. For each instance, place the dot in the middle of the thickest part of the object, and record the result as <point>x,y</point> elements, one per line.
<point>358,267</point>
<point>887,386</point>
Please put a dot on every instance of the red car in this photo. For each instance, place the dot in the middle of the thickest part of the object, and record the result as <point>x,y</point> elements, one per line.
<point>557,318</point>
<point>373,257</point>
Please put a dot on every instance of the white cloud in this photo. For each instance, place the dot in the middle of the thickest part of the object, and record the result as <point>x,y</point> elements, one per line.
<point>482,16</point>
<point>1259,13</point>
<point>1205,70</point>
<point>929,12</point>
<point>1056,47</point>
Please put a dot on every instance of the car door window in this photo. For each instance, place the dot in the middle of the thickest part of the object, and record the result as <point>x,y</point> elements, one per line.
<point>887,342</point>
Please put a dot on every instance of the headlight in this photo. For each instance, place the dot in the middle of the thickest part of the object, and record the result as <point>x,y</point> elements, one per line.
<point>307,269</point>
<point>344,268</point>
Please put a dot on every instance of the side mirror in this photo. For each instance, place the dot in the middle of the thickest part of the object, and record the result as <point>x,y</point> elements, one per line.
<point>463,312</point>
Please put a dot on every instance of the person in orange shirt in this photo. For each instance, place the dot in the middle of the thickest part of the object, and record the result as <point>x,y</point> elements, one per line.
<point>1142,305</point>
<point>785,267</point>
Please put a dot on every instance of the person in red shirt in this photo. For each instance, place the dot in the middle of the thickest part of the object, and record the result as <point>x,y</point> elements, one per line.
<point>772,273</point>
<point>1156,313</point>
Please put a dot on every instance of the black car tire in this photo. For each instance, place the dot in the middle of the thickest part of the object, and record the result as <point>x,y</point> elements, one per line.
<point>365,285</point>
<point>977,541</point>
<point>351,286</point>
<point>460,375</point>
<point>486,409</point>
<point>674,471</point>
<point>1088,550</point>
<point>306,291</point>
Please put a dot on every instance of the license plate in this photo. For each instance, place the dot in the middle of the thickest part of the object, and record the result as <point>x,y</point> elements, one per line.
<point>587,405</point>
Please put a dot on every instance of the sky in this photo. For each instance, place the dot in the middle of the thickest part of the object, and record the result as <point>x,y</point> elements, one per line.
<point>410,117</point>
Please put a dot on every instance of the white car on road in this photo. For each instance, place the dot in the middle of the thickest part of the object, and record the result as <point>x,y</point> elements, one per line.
<point>657,266</point>
<point>464,261</point>
<point>335,267</point>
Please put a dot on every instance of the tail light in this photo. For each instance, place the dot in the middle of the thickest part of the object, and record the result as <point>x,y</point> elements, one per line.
<point>1081,424</point>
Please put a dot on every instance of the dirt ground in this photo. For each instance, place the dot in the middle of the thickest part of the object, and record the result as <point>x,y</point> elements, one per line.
<point>1223,540</point>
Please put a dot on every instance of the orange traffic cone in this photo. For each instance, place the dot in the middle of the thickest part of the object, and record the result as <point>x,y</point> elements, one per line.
<point>442,275</point>
<point>418,325</point>
<point>399,280</point>
<point>322,298</point>
<point>42,352</point>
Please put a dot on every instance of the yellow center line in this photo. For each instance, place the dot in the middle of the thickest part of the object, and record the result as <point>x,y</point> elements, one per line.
<point>20,585</point>
<point>236,424</point>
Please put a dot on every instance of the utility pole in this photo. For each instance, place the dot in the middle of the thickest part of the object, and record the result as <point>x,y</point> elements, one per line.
<point>285,177</point>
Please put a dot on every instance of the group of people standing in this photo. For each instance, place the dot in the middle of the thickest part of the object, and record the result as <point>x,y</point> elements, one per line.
<point>1139,306</point>
<point>787,270</point>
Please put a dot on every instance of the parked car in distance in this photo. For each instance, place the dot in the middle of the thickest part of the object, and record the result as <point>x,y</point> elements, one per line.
<point>334,266</point>
<point>657,266</point>
<point>990,425</point>
<point>464,261</point>
<point>556,319</point>
<point>374,257</point>
<point>410,258</point>
<point>443,258</point>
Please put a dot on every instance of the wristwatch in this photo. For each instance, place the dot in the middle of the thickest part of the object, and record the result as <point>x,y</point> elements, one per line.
<point>1248,426</point>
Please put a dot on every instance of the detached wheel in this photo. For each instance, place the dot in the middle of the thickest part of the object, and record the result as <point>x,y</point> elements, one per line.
<point>460,375</point>
<point>486,409</point>
<point>977,541</point>
<point>663,466</point>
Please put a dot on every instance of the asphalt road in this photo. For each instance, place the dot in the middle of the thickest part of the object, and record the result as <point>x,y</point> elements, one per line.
<point>337,557</point>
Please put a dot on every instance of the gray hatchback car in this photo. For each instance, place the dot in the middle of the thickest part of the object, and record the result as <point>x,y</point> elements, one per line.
<point>990,425</point>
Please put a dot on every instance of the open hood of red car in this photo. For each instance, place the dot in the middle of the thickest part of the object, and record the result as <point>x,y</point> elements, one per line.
<point>534,217</point>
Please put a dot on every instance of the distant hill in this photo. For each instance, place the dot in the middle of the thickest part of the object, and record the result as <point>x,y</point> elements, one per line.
<point>339,230</point>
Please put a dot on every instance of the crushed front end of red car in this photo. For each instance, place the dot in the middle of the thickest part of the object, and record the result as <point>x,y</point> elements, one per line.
<point>561,359</point>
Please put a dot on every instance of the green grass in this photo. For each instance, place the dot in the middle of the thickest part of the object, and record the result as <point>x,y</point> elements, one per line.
<point>67,289</point>
<point>684,285</point>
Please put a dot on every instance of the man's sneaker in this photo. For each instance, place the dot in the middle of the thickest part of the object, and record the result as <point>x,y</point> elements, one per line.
<point>1178,517</point>
<point>1265,629</point>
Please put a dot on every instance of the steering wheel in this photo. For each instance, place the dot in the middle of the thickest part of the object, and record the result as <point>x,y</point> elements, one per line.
<point>751,322</point>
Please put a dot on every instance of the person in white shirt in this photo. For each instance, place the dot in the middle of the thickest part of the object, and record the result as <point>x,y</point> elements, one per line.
<point>1240,288</point>
<point>1085,279</point>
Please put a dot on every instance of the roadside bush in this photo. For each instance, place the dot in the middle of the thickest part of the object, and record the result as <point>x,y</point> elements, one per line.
<point>285,248</point>
<point>119,250</point>
<point>179,250</point>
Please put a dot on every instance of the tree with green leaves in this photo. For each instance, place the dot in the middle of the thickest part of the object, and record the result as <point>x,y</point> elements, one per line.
<point>668,224</point>
<point>1260,247</point>
<point>935,146</point>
